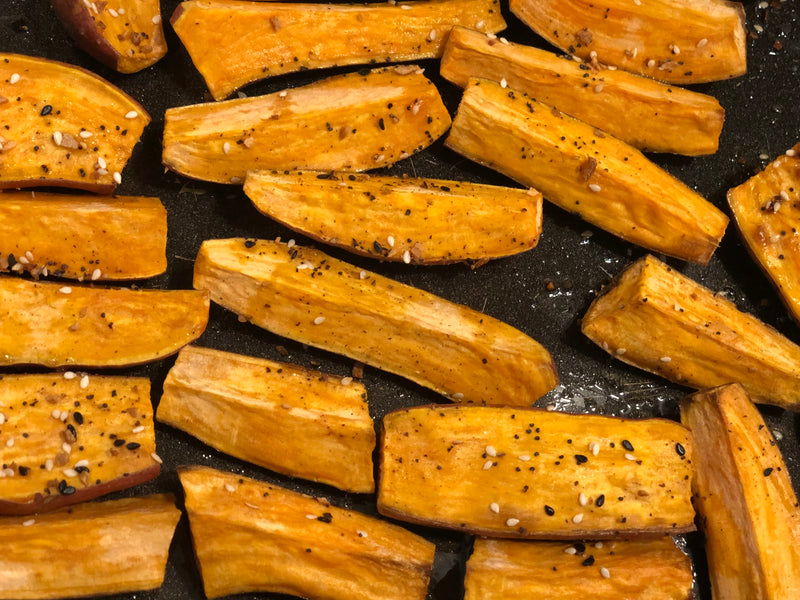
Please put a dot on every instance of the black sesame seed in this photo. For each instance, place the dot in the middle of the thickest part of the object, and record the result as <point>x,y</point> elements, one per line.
<point>78,417</point>
<point>46,110</point>
<point>580,547</point>
<point>768,471</point>
<point>601,499</point>
<point>680,449</point>
<point>589,561</point>
<point>81,469</point>
<point>249,243</point>
<point>71,429</point>
<point>132,446</point>
<point>23,471</point>
<point>627,445</point>
<point>325,518</point>
<point>64,488</point>
<point>119,442</point>
<point>549,510</point>
<point>580,459</point>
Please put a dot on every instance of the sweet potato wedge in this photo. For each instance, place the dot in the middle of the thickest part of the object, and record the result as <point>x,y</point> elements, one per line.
<point>656,319</point>
<point>56,325</point>
<point>598,177</point>
<point>747,506</point>
<point>250,536</point>
<point>644,113</point>
<point>413,220</point>
<point>232,42</point>
<point>64,440</point>
<point>126,35</point>
<point>279,416</point>
<point>608,570</point>
<point>91,549</point>
<point>528,473</point>
<point>354,122</point>
<point>766,209</point>
<point>82,237</point>
<point>310,297</point>
<point>65,126</point>
<point>679,41</point>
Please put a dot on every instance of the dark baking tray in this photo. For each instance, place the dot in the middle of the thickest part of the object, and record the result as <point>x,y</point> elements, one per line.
<point>578,259</point>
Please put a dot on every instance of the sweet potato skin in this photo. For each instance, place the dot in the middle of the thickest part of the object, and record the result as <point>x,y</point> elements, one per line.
<point>43,144</point>
<point>747,506</point>
<point>233,42</point>
<point>280,416</point>
<point>644,113</point>
<point>310,297</point>
<point>411,220</point>
<point>82,236</point>
<point>529,473</point>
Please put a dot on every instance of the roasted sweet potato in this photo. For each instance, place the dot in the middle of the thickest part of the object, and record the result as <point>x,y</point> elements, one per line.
<point>654,318</point>
<point>528,473</point>
<point>679,41</point>
<point>233,43</point>
<point>354,122</point>
<point>126,35</point>
<point>56,325</point>
<point>279,416</point>
<point>420,221</point>
<point>608,570</point>
<point>308,296</point>
<point>64,126</point>
<point>82,237</point>
<point>747,506</point>
<point>766,209</point>
<point>91,549</point>
<point>65,439</point>
<point>638,110</point>
<point>249,536</point>
<point>577,167</point>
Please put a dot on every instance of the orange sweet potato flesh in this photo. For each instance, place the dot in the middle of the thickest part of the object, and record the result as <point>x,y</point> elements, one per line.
<point>353,122</point>
<point>67,127</point>
<point>678,41</point>
<point>82,237</point>
<point>91,549</point>
<point>279,416</point>
<point>654,318</point>
<point>766,209</point>
<point>125,35</point>
<point>233,43</point>
<point>253,537</point>
<point>743,494</point>
<point>644,113</point>
<point>528,473</point>
<point>54,325</point>
<point>63,441</point>
<point>412,220</point>
<point>308,296</point>
<point>579,168</point>
<point>516,570</point>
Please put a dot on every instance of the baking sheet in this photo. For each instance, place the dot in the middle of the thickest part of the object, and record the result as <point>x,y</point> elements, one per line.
<point>762,121</point>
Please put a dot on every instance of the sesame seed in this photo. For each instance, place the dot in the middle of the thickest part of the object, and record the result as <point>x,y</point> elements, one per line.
<point>702,42</point>
<point>58,137</point>
<point>112,12</point>
<point>96,274</point>
<point>582,499</point>
<point>85,134</point>
<point>637,2</point>
<point>137,429</point>
<point>390,241</point>
<point>117,177</point>
<point>487,465</point>
<point>490,450</point>
<point>785,195</point>
<point>503,83</point>
<point>2,419</point>
<point>790,152</point>
<point>311,517</point>
<point>14,78</point>
<point>56,414</point>
<point>65,290</point>
<point>290,244</point>
<point>319,320</point>
<point>66,447</point>
<point>407,257</point>
<point>598,88</point>
<point>81,463</point>
<point>480,25</point>
<point>604,572</point>
<point>620,351</point>
<point>282,94</point>
<point>69,375</point>
<point>675,49</point>
<point>432,35</point>
<point>512,522</point>
<point>570,550</point>
<point>230,487</point>
<point>598,545</point>
<point>29,255</point>
<point>494,507</point>
<point>592,54</point>
<point>627,445</point>
<point>405,7</point>
<point>156,458</point>
<point>651,63</point>
<point>236,179</point>
<point>63,416</point>
<point>226,147</point>
<point>491,36</point>
<point>665,359</point>
<point>10,442</point>
<point>48,465</point>
<point>346,380</point>
<point>577,518</point>
<point>595,448</point>
<point>23,260</point>
<point>457,396</point>
<point>503,41</point>
<point>131,114</point>
<point>156,19</point>
<point>524,457</point>
<point>594,187</point>
<point>28,522</point>
<point>362,275</point>
<point>84,382</point>
<point>630,456</point>
<point>101,162</point>
<point>70,472</point>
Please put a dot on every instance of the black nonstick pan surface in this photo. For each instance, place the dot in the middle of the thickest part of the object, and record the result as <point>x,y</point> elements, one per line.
<point>543,292</point>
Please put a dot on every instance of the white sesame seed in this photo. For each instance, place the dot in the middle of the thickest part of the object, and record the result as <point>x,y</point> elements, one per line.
<point>66,447</point>
<point>63,416</point>
<point>14,78</point>
<point>665,359</point>
<point>598,544</point>
<point>138,429</point>
<point>630,456</point>
<point>491,35</point>
<point>282,94</point>
<point>101,171</point>
<point>70,472</point>
<point>432,35</point>
<point>594,187</point>
<point>65,290</point>
<point>503,83</point>
<point>2,419</point>
<point>86,134</point>
<point>577,518</point>
<point>48,465</point>
<point>23,260</point>
<point>651,63</point>
<point>58,137</point>
<point>81,463</point>
<point>291,244</point>
<point>117,177</point>
<point>487,465</point>
<point>570,550</point>
<point>702,42</point>
<point>604,572</point>
<point>29,255</point>
<point>346,380</point>
<point>28,522</point>
<point>494,507</point>
<point>524,457</point>
<point>458,396</point>
<point>405,7</point>
<point>512,522</point>
<point>598,88</point>
<point>637,2</point>
<point>595,448</point>
<point>230,487</point>
<point>503,41</point>
<point>621,351</point>
<point>790,152</point>
<point>84,382</point>
<point>226,147</point>
<point>236,179</point>
<point>582,499</point>
<point>69,375</point>
<point>362,275</point>
<point>784,195</point>
<point>311,517</point>
<point>156,19</point>
<point>9,472</point>
<point>319,320</point>
<point>407,257</point>
<point>96,274</point>
<point>101,162</point>
<point>121,11</point>
<point>56,414</point>
<point>10,442</point>
<point>156,458</point>
<point>490,450</point>
<point>390,241</point>
<point>480,25</point>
